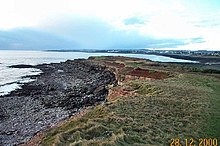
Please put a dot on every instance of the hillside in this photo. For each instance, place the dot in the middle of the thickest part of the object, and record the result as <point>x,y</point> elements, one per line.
<point>153,104</point>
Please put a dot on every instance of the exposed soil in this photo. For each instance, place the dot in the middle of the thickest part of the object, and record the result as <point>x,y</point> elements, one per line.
<point>125,70</point>
<point>148,74</point>
<point>120,91</point>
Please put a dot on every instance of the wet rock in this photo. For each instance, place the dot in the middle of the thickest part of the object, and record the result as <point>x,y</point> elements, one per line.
<point>21,66</point>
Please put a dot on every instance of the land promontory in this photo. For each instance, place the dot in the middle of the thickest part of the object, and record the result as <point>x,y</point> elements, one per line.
<point>60,91</point>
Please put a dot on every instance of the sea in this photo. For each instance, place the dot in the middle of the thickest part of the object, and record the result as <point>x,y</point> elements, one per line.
<point>12,78</point>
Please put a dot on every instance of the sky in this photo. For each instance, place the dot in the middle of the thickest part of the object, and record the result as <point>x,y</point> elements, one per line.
<point>71,24</point>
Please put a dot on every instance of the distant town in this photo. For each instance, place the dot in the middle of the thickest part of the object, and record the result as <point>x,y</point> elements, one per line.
<point>147,51</point>
<point>202,56</point>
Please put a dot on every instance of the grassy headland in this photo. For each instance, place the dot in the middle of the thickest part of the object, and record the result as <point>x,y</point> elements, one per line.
<point>153,103</point>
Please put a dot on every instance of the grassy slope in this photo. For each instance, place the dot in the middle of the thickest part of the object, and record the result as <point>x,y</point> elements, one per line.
<point>148,112</point>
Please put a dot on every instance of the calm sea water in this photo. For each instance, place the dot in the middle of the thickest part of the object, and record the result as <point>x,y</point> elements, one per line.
<point>11,78</point>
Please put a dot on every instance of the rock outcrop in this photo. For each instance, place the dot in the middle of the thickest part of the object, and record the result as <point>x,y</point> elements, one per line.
<point>56,94</point>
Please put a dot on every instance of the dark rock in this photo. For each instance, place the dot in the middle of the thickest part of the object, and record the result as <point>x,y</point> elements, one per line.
<point>56,94</point>
<point>21,66</point>
<point>2,114</point>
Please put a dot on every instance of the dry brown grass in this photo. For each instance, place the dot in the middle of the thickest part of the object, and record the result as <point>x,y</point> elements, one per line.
<point>147,112</point>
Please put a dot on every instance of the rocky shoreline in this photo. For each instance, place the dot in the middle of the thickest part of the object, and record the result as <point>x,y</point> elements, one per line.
<point>60,91</point>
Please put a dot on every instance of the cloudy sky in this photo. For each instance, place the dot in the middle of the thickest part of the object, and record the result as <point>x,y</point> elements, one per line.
<point>69,24</point>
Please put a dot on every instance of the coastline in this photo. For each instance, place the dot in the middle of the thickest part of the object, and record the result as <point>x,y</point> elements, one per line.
<point>62,90</point>
<point>10,75</point>
<point>201,59</point>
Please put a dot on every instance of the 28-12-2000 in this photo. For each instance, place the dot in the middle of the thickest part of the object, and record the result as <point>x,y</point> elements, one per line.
<point>193,142</point>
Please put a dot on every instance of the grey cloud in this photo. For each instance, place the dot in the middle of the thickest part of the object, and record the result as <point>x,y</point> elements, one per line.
<point>26,38</point>
<point>76,33</point>
<point>94,33</point>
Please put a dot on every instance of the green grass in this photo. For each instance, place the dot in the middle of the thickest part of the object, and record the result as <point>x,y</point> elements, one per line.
<point>184,106</point>
<point>212,127</point>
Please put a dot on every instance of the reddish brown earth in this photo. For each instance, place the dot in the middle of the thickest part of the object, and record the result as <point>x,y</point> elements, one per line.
<point>124,71</point>
<point>120,92</point>
<point>139,72</point>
